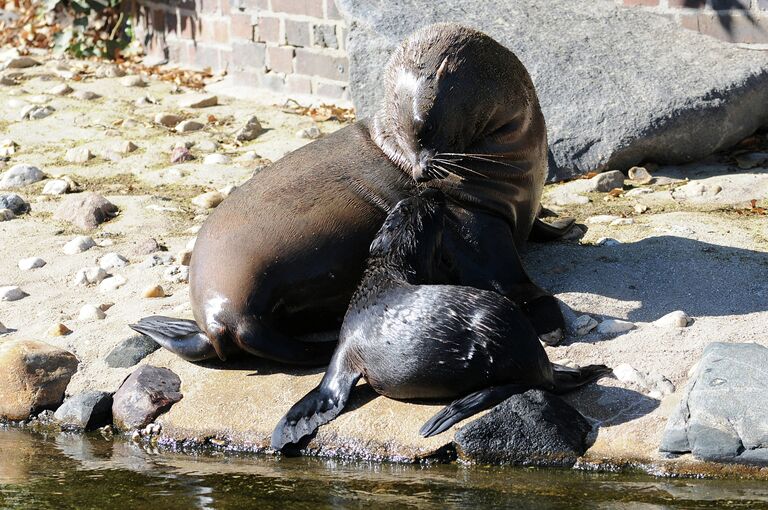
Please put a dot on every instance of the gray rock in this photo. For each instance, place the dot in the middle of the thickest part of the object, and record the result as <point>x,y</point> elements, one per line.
<point>34,112</point>
<point>21,62</point>
<point>130,351</point>
<point>86,411</point>
<point>607,181</point>
<point>534,428</point>
<point>85,210</point>
<point>602,73</point>
<point>721,416</point>
<point>144,395</point>
<point>148,246</point>
<point>86,95</point>
<point>21,175</point>
<point>206,146</point>
<point>250,131</point>
<point>583,325</point>
<point>180,155</point>
<point>14,202</point>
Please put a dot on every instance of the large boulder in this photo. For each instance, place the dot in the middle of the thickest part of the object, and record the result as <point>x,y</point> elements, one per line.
<point>33,377</point>
<point>722,413</point>
<point>618,86</point>
<point>144,395</point>
<point>533,428</point>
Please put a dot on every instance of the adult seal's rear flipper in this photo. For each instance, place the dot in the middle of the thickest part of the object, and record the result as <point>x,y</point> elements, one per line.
<point>318,407</point>
<point>543,231</point>
<point>467,406</point>
<point>180,336</point>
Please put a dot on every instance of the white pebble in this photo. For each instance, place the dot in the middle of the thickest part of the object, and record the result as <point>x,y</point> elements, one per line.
<point>571,199</point>
<point>629,375</point>
<point>56,187</point>
<point>78,155</point>
<point>188,126</point>
<point>62,89</point>
<point>208,200</point>
<point>607,241</point>
<point>86,95</point>
<point>613,326</point>
<point>79,244</point>
<point>248,156</point>
<point>176,274</point>
<point>157,259</point>
<point>311,133</point>
<point>622,221</point>
<point>602,219</point>
<point>31,263</point>
<point>112,283</point>
<point>216,159</point>
<point>12,293</point>
<point>197,101</point>
<point>132,81</point>
<point>112,260</point>
<point>676,319</point>
<point>90,313</point>
<point>89,276</point>
<point>637,192</point>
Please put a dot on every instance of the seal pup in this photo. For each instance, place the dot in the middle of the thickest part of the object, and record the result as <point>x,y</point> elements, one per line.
<point>280,258</point>
<point>415,341</point>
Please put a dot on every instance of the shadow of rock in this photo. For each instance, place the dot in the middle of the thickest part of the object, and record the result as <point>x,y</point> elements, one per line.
<point>610,405</point>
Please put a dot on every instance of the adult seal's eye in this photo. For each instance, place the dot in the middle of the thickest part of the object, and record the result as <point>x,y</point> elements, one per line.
<point>418,125</point>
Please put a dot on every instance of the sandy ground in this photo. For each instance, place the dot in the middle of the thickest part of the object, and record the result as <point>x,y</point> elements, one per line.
<point>704,255</point>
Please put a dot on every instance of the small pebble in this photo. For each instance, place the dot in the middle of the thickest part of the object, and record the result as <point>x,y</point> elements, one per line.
<point>614,326</point>
<point>607,181</point>
<point>676,319</point>
<point>133,80</point>
<point>607,241</point>
<point>250,131</point>
<point>31,263</point>
<point>167,119</point>
<point>20,62</point>
<point>78,155</point>
<point>216,159</point>
<point>180,155</point>
<point>157,259</point>
<point>109,71</point>
<point>112,283</point>
<point>8,148</point>
<point>147,246</point>
<point>59,329</point>
<point>311,133</point>
<point>206,146</point>
<point>571,199</point>
<point>184,144</point>
<point>584,324</point>
<point>602,219</point>
<point>184,257</point>
<point>91,313</point>
<point>208,200</point>
<point>153,291</point>
<point>62,89</point>
<point>13,202</point>
<point>248,156</point>
<point>177,274</point>
<point>125,147</point>
<point>197,101</point>
<point>622,221</point>
<point>640,175</point>
<point>89,276</point>
<point>637,192</point>
<point>6,215</point>
<point>78,245</point>
<point>187,126</point>
<point>3,329</point>
<point>12,293</point>
<point>56,187</point>
<point>640,208</point>
<point>38,99</point>
<point>33,112</point>
<point>112,260</point>
<point>86,95</point>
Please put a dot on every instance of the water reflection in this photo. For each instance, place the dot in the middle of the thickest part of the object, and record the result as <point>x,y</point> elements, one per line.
<point>73,471</point>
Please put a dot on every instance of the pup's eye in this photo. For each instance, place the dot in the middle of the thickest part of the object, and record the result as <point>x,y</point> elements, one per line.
<point>418,125</point>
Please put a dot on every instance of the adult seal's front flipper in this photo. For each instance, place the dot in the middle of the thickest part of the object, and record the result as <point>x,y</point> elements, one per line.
<point>543,231</point>
<point>180,336</point>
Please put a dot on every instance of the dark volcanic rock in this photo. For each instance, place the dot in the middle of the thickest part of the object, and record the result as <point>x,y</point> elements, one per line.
<point>722,415</point>
<point>533,428</point>
<point>618,86</point>
<point>130,351</point>
<point>146,394</point>
<point>86,411</point>
<point>13,202</point>
<point>85,210</point>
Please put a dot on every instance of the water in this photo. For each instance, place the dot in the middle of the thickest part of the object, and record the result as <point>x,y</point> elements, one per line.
<point>71,471</point>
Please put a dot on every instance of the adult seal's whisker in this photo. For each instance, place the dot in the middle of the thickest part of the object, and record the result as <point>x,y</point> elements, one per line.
<point>461,167</point>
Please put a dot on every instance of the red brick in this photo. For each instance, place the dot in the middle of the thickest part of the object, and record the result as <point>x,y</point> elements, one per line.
<point>280,59</point>
<point>241,26</point>
<point>269,29</point>
<point>297,32</point>
<point>331,11</point>
<point>645,3</point>
<point>317,64</point>
<point>696,4</point>
<point>306,7</point>
<point>248,55</point>
<point>295,84</point>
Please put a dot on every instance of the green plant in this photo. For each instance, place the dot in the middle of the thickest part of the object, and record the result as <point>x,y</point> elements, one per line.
<point>99,28</point>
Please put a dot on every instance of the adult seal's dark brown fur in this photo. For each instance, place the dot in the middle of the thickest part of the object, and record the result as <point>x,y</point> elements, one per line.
<point>280,258</point>
<point>415,341</point>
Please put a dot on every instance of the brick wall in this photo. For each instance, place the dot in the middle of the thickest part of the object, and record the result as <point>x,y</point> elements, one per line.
<point>287,46</point>
<point>739,21</point>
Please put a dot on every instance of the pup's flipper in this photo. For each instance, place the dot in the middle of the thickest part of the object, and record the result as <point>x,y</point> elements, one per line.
<point>543,231</point>
<point>568,379</point>
<point>318,407</point>
<point>467,406</point>
<point>180,336</point>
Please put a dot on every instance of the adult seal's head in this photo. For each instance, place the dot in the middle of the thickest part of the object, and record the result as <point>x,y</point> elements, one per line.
<point>452,91</point>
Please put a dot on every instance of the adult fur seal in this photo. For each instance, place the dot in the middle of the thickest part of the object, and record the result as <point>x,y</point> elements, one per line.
<point>281,257</point>
<point>413,341</point>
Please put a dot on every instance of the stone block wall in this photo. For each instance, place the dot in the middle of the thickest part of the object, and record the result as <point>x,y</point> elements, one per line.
<point>295,47</point>
<point>738,21</point>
